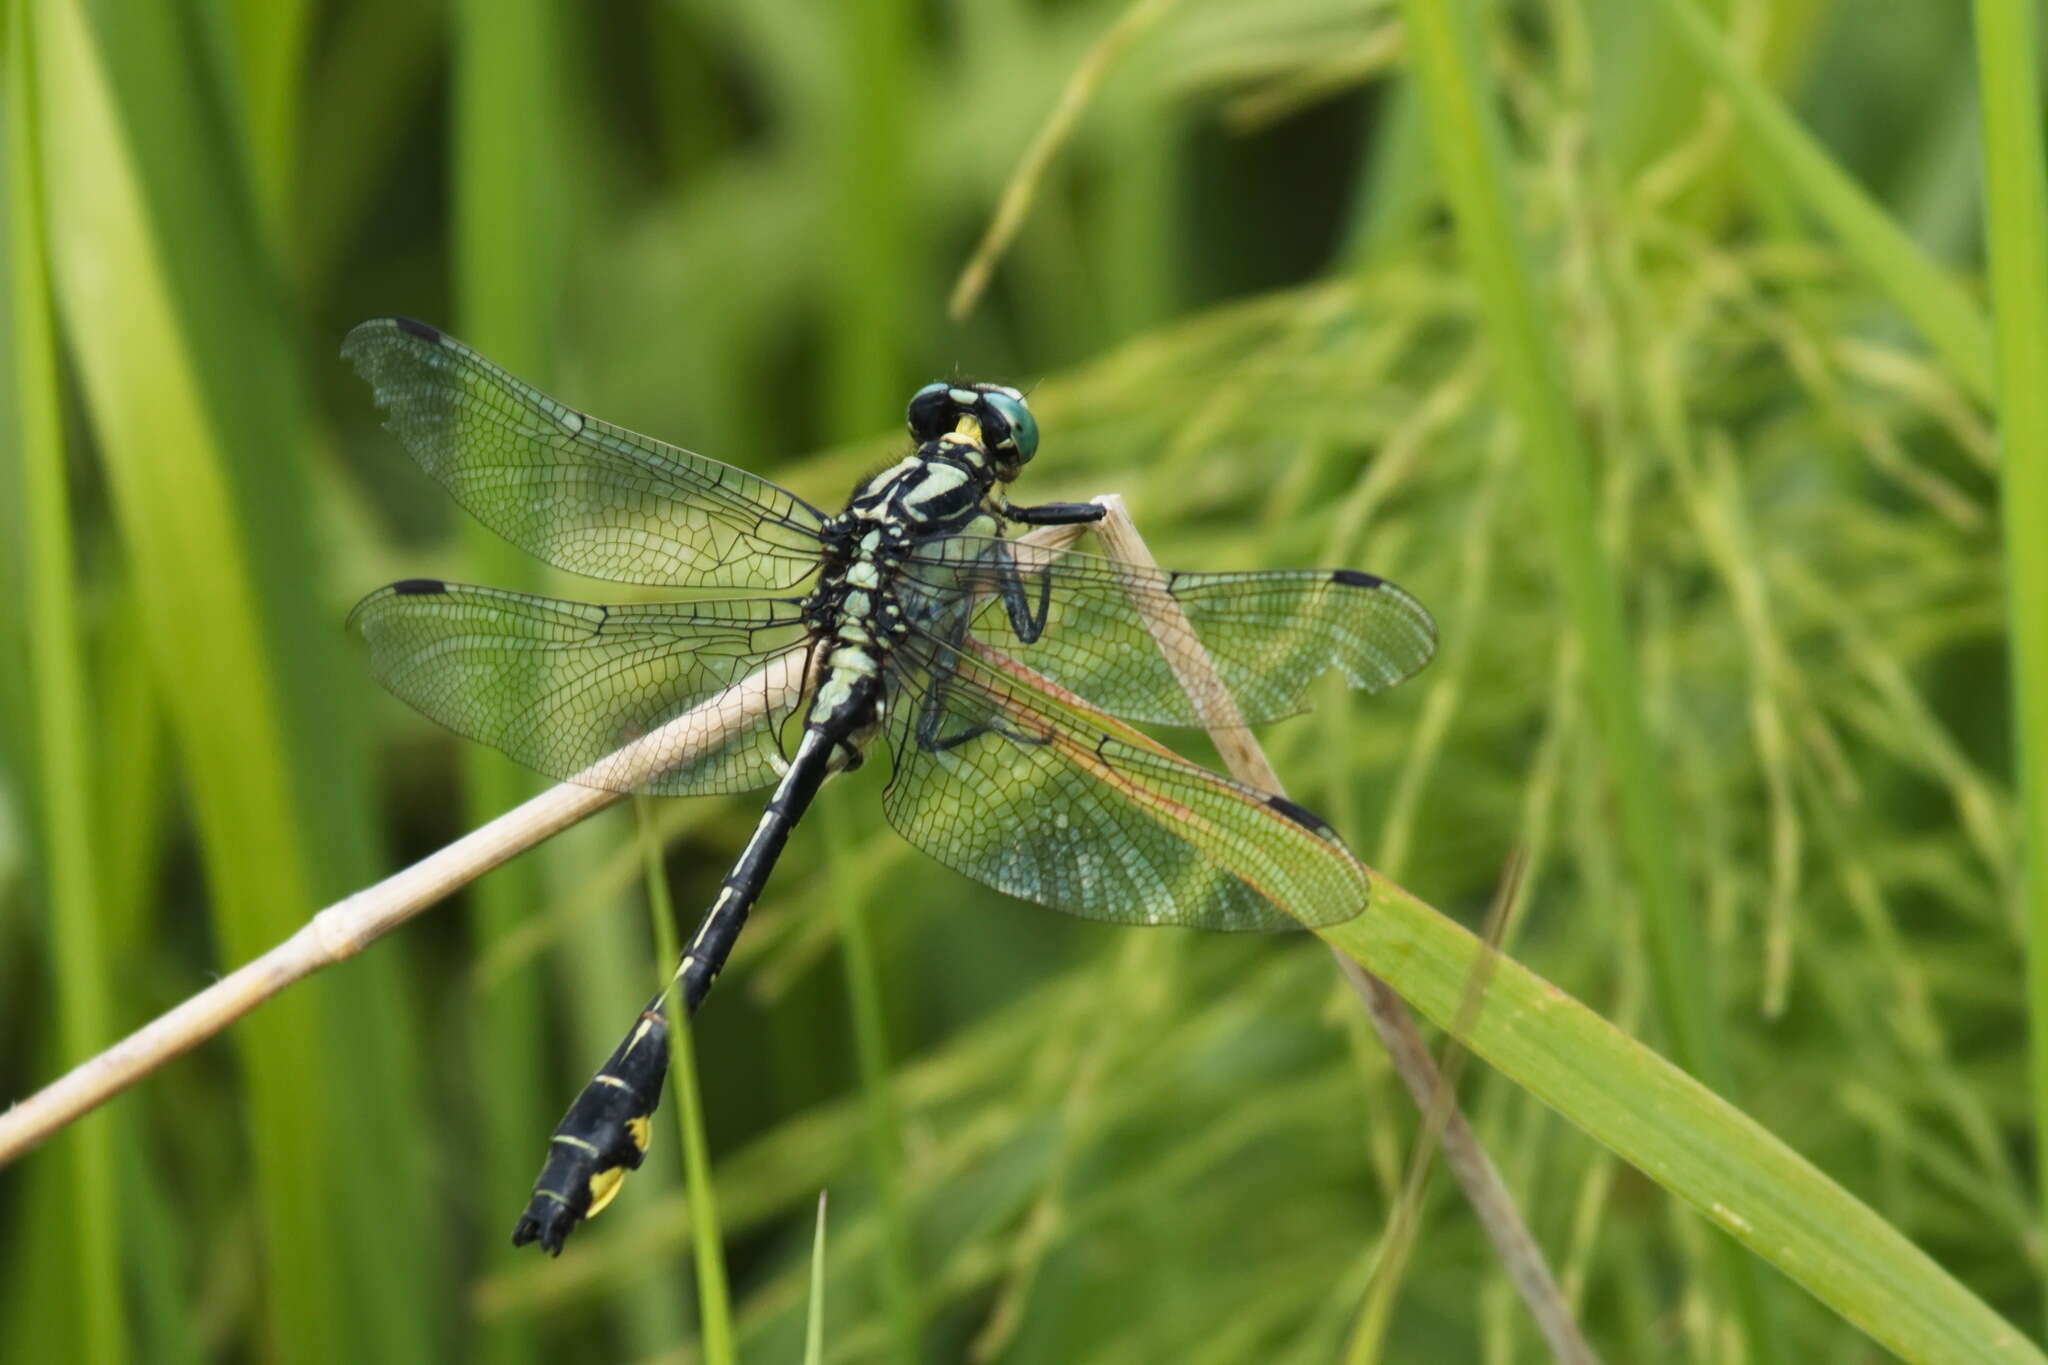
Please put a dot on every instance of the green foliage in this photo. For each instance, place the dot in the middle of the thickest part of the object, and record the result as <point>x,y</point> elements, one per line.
<point>737,227</point>
<point>2016,228</point>
<point>714,1298</point>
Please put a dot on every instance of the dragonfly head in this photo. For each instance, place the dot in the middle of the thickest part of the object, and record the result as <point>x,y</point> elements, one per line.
<point>1006,428</point>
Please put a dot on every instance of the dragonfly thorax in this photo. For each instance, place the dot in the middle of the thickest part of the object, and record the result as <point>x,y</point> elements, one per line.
<point>943,488</point>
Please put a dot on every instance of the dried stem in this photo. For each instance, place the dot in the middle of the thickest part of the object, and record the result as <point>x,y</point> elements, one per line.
<point>347,927</point>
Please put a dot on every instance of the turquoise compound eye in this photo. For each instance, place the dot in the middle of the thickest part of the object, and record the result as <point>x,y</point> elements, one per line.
<point>1023,427</point>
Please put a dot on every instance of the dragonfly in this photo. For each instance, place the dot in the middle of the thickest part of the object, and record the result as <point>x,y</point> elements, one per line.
<point>1008,680</point>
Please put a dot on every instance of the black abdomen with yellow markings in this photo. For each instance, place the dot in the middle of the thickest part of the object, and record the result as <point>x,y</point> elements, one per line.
<point>602,1137</point>
<point>1004,676</point>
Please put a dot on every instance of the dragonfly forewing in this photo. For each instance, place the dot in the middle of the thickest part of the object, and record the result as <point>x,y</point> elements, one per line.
<point>580,493</point>
<point>1110,631</point>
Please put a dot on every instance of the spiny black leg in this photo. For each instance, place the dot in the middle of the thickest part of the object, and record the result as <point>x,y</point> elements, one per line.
<point>931,712</point>
<point>936,745</point>
<point>940,746</point>
<point>1057,513</point>
<point>1025,623</point>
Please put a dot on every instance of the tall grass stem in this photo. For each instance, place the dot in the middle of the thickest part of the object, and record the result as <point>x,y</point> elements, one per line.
<point>503,253</point>
<point>1935,302</point>
<point>58,708</point>
<point>1473,166</point>
<point>216,592</point>
<point>2016,242</point>
<point>866,997</point>
<point>714,1295</point>
<point>814,1322</point>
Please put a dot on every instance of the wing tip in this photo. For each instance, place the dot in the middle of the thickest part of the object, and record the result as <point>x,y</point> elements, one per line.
<point>1321,829</point>
<point>1301,815</point>
<point>414,327</point>
<point>364,333</point>
<point>1425,623</point>
<point>404,587</point>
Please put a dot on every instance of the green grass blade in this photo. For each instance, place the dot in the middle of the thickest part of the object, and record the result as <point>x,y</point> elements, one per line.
<point>128,766</point>
<point>1681,1135</point>
<point>154,1233</point>
<point>506,243</point>
<point>1472,163</point>
<point>175,507</point>
<point>814,1320</point>
<point>1935,303</point>
<point>866,153</point>
<point>230,348</point>
<point>1396,192</point>
<point>57,710</point>
<point>2016,238</point>
<point>267,41</point>
<point>40,1322</point>
<point>871,1047</point>
<point>714,1297</point>
<point>371,72</point>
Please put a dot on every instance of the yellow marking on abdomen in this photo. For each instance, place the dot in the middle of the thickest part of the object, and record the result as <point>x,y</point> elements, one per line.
<point>604,1187</point>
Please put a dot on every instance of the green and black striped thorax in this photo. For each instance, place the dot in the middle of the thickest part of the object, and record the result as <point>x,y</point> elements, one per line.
<point>972,439</point>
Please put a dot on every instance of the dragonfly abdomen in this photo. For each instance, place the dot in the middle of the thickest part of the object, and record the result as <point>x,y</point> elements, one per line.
<point>605,1133</point>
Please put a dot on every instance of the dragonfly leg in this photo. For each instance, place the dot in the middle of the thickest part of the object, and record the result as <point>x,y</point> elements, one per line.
<point>1028,624</point>
<point>1057,513</point>
<point>931,712</point>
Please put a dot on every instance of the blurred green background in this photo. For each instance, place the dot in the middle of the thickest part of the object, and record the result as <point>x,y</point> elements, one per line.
<point>1237,299</point>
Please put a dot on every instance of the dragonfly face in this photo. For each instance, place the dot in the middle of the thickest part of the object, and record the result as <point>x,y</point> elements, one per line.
<point>1002,675</point>
<point>1002,421</point>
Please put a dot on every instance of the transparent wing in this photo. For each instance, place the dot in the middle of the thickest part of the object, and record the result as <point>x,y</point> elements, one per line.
<point>1106,630</point>
<point>560,686</point>
<point>582,494</point>
<point>1045,801</point>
